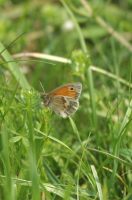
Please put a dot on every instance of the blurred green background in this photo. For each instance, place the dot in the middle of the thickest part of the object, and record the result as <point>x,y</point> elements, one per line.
<point>88,156</point>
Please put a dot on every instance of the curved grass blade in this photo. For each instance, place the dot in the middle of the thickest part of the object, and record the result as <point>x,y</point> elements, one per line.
<point>14,68</point>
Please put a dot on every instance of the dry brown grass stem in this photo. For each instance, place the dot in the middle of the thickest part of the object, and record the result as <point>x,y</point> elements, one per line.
<point>43,56</point>
<point>106,26</point>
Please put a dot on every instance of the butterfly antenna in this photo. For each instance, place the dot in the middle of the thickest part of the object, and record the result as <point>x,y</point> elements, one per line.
<point>42,89</point>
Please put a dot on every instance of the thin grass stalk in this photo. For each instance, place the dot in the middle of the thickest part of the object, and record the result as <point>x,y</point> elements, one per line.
<point>105,25</point>
<point>75,130</point>
<point>8,185</point>
<point>124,125</point>
<point>80,35</point>
<point>32,154</point>
<point>84,47</point>
<point>92,97</point>
<point>122,130</point>
<point>110,75</point>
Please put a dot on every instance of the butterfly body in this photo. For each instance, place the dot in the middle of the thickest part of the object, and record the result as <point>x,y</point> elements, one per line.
<point>63,100</point>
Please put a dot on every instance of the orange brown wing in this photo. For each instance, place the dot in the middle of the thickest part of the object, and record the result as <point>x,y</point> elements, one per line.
<point>71,90</point>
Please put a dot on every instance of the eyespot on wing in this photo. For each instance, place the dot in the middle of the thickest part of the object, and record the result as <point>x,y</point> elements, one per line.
<point>72,90</point>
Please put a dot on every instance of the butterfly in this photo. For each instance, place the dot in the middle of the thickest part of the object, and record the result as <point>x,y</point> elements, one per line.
<point>64,100</point>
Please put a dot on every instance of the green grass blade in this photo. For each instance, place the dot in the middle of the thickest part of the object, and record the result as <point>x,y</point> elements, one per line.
<point>14,68</point>
<point>97,182</point>
<point>32,152</point>
<point>92,97</point>
<point>54,139</point>
<point>8,185</point>
<point>75,130</point>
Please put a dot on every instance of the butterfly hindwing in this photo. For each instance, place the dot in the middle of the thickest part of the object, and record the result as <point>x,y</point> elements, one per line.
<point>58,105</point>
<point>64,106</point>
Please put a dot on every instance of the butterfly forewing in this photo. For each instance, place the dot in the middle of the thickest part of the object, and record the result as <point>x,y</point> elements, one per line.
<point>72,90</point>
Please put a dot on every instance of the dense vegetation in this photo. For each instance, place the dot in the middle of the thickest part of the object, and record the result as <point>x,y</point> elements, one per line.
<point>89,155</point>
